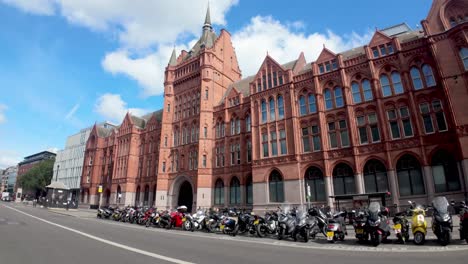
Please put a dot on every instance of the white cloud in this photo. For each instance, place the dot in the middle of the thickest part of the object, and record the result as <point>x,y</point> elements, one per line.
<point>284,43</point>
<point>40,7</point>
<point>72,111</point>
<point>8,158</point>
<point>146,31</point>
<point>112,107</point>
<point>53,150</point>
<point>3,108</point>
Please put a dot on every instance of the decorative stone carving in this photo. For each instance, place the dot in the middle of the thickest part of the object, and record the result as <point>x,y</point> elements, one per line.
<point>404,144</point>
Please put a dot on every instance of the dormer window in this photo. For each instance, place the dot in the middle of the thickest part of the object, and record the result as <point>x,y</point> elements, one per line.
<point>321,69</point>
<point>382,50</point>
<point>328,66</point>
<point>390,48</point>
<point>375,52</point>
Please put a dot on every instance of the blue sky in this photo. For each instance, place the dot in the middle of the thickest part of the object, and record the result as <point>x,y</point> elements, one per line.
<point>65,65</point>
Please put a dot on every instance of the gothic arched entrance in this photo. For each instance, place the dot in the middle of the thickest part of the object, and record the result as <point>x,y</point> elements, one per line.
<point>185,195</point>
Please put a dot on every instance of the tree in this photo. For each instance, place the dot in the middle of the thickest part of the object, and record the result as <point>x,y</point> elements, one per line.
<point>38,177</point>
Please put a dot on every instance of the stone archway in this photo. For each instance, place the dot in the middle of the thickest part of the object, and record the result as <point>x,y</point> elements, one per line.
<point>177,188</point>
<point>185,196</point>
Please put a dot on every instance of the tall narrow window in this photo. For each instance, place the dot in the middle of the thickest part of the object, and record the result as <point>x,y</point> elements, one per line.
<point>283,142</point>
<point>416,77</point>
<point>344,136</point>
<point>275,80</point>
<point>265,144</point>
<point>275,185</point>
<point>305,139</point>
<point>361,123</point>
<point>374,127</point>
<point>316,137</point>
<point>302,105</point>
<point>233,153</point>
<point>427,119</point>
<point>332,135</point>
<point>464,57</point>
<point>393,122</point>
<point>234,192</point>
<point>204,161</point>
<point>328,99</point>
<point>238,127</point>
<point>233,126</point>
<point>249,151</point>
<point>406,121</point>
<point>274,143</point>
<point>205,132</point>
<point>249,190</point>
<point>439,115</point>
<point>385,84</point>
<point>312,104</point>
<point>356,92</point>
<point>264,111</point>
<point>219,192</point>
<point>248,123</point>
<point>338,97</point>
<point>272,109</point>
<point>428,75</point>
<point>366,87</point>
<point>280,107</point>
<point>397,85</point>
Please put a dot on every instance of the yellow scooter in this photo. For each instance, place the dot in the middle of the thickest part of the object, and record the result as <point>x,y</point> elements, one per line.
<point>418,223</point>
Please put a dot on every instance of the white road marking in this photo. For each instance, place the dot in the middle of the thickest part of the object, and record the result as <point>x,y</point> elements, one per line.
<point>136,250</point>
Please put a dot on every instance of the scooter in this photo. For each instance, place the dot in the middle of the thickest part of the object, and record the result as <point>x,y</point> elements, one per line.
<point>320,223</point>
<point>303,227</point>
<point>198,220</point>
<point>441,220</point>
<point>463,221</point>
<point>287,224</point>
<point>418,223</point>
<point>266,225</point>
<point>336,227</point>
<point>401,227</point>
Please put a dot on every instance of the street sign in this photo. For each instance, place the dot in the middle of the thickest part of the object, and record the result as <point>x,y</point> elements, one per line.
<point>100,189</point>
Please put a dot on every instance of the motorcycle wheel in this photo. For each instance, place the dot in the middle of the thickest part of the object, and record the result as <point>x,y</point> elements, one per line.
<point>342,237</point>
<point>261,230</point>
<point>280,233</point>
<point>236,230</point>
<point>376,239</point>
<point>148,222</point>
<point>305,235</point>
<point>418,238</point>
<point>445,238</point>
<point>211,227</point>
<point>188,226</point>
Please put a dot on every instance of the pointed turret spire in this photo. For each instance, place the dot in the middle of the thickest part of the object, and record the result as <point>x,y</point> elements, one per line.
<point>173,59</point>
<point>207,24</point>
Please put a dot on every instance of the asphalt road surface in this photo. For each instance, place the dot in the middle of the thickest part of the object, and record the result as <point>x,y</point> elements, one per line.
<point>34,235</point>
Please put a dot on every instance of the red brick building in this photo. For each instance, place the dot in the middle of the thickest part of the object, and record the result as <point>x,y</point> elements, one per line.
<point>388,116</point>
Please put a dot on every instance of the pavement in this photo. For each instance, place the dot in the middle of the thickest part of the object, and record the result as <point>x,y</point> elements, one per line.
<point>35,235</point>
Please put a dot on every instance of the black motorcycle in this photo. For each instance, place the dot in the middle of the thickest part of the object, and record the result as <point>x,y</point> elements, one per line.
<point>245,223</point>
<point>377,224</point>
<point>304,223</point>
<point>105,212</point>
<point>267,225</point>
<point>463,221</point>
<point>441,220</point>
<point>360,226</point>
<point>320,221</point>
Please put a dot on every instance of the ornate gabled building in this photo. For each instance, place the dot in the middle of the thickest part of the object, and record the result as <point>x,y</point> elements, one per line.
<point>389,116</point>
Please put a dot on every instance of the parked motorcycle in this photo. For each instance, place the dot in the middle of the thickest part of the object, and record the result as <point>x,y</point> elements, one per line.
<point>228,225</point>
<point>336,227</point>
<point>360,226</point>
<point>303,226</point>
<point>266,225</point>
<point>401,227</point>
<point>463,221</point>
<point>441,220</point>
<point>105,212</point>
<point>287,224</point>
<point>320,221</point>
<point>418,223</point>
<point>377,223</point>
<point>198,220</point>
<point>245,223</point>
<point>153,219</point>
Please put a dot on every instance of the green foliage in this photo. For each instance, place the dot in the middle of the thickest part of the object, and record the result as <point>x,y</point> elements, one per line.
<point>38,177</point>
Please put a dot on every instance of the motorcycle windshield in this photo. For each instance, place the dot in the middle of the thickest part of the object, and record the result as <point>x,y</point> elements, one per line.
<point>440,204</point>
<point>374,210</point>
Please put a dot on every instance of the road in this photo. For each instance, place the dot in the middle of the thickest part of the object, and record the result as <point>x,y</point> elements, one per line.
<point>34,235</point>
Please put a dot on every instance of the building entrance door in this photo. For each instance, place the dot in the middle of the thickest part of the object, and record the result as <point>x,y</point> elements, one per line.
<point>185,195</point>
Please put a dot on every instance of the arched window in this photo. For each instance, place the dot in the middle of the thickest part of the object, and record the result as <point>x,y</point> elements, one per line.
<point>366,87</point>
<point>276,187</point>
<point>314,184</point>
<point>264,111</point>
<point>312,104</point>
<point>338,97</point>
<point>385,83</point>
<point>343,179</point>
<point>302,105</point>
<point>328,99</point>
<point>445,172</point>
<point>272,109</point>
<point>234,191</point>
<point>249,190</point>
<point>410,179</point>
<point>137,196</point>
<point>428,75</point>
<point>248,123</point>
<point>397,85</point>
<point>146,196</point>
<point>416,77</point>
<point>219,192</point>
<point>280,107</point>
<point>464,57</point>
<point>375,176</point>
<point>356,92</point>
